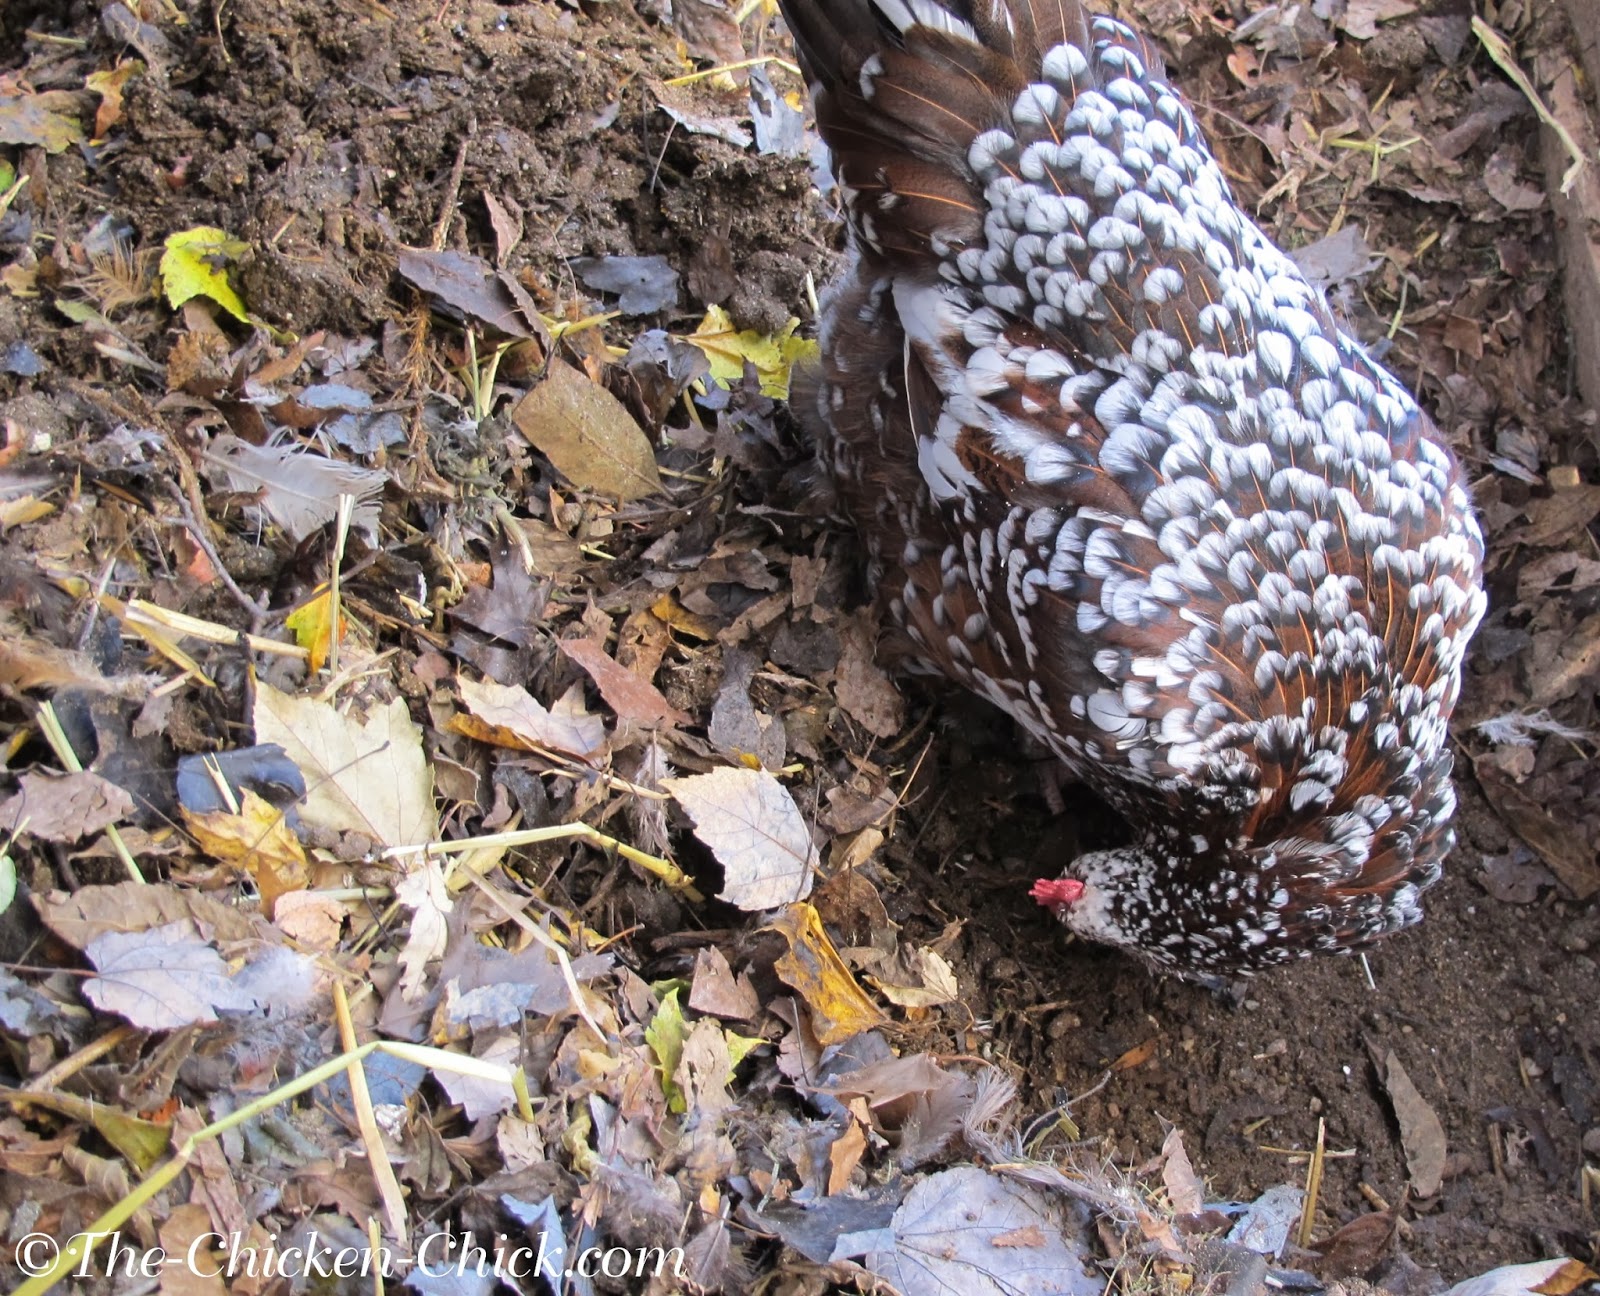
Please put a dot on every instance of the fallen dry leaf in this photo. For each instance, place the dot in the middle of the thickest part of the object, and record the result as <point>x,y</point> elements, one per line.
<point>1421,1134</point>
<point>162,979</point>
<point>1184,1189</point>
<point>935,984</point>
<point>715,990</point>
<point>512,717</point>
<point>133,907</point>
<point>636,700</point>
<point>63,807</point>
<point>839,1007</point>
<point>844,1156</point>
<point>259,840</point>
<point>861,686</point>
<point>588,434</point>
<point>423,891</point>
<point>755,830</point>
<point>311,919</point>
<point>370,778</point>
<point>943,1239</point>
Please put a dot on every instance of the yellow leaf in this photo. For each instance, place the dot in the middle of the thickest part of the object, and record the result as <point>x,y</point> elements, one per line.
<point>665,1035</point>
<point>312,624</point>
<point>773,354</point>
<point>193,266</point>
<point>668,609</point>
<point>22,510</point>
<point>259,840</point>
<point>839,1007</point>
<point>109,85</point>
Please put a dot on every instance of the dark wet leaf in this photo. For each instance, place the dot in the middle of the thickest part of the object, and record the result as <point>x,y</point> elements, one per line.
<point>1337,259</point>
<point>644,285</point>
<point>1560,842</point>
<point>264,769</point>
<point>662,368</point>
<point>814,1227</point>
<point>22,360</point>
<point>1555,519</point>
<point>49,120</point>
<point>473,287</point>
<point>736,727</point>
<point>512,608</point>
<point>1500,179</point>
<point>127,28</point>
<point>1516,877</point>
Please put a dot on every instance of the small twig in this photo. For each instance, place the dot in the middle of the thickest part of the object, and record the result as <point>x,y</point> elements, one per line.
<point>1301,1154</point>
<point>1499,51</point>
<point>193,512</point>
<point>1038,1127</point>
<point>137,614</point>
<point>655,171</point>
<point>452,191</point>
<point>665,870</point>
<point>69,1066</point>
<point>216,22</point>
<point>1313,1186</point>
<point>394,1205</point>
<point>689,77</point>
<point>10,195</point>
<point>93,619</point>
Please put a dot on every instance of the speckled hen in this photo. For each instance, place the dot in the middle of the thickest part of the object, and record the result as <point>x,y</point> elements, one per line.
<point>1119,470</point>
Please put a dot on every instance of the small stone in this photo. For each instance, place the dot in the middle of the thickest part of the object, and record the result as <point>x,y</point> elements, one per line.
<point>1252,1005</point>
<point>1591,1143</point>
<point>1579,937</point>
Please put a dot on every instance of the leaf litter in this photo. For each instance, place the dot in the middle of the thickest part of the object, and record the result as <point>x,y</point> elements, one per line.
<point>544,803</point>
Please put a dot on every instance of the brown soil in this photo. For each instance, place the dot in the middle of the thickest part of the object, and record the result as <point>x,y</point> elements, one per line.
<point>323,137</point>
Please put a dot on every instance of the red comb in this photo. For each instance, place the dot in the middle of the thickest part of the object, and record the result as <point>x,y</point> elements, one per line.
<point>1057,892</point>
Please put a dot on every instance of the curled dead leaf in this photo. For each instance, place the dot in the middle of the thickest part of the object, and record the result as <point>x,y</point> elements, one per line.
<point>839,1007</point>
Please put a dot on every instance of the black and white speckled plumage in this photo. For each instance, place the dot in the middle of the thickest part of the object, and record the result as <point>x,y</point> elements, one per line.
<point>1119,471</point>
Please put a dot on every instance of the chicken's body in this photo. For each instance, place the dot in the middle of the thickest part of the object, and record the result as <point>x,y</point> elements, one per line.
<point>1118,470</point>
